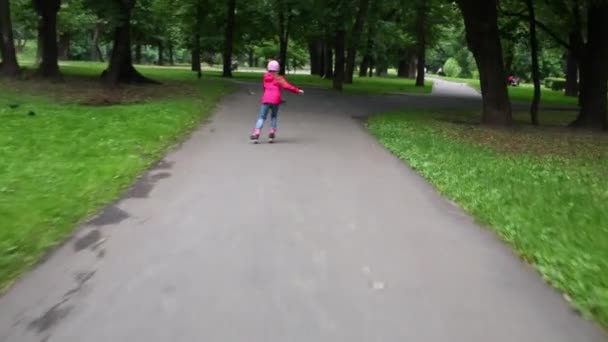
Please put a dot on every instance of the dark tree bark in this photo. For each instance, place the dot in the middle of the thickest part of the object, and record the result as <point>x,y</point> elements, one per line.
<point>284,25</point>
<point>366,63</point>
<point>121,68</point>
<point>171,54</point>
<point>316,57</point>
<point>421,14</point>
<point>571,74</point>
<point>196,38</point>
<point>535,64</point>
<point>64,46</point>
<point>413,67</point>
<point>403,70</point>
<point>161,53</point>
<point>47,11</point>
<point>594,71</point>
<point>138,53</point>
<point>573,58</point>
<point>480,17</point>
<point>355,40</point>
<point>9,65</point>
<point>95,50</point>
<point>364,66</point>
<point>322,59</point>
<point>340,45</point>
<point>228,37</point>
<point>329,60</point>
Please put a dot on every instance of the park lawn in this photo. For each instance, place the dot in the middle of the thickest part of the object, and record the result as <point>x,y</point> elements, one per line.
<point>361,86</point>
<point>68,149</point>
<point>542,189</point>
<point>525,93</point>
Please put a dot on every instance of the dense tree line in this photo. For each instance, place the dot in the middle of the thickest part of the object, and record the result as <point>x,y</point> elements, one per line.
<point>337,39</point>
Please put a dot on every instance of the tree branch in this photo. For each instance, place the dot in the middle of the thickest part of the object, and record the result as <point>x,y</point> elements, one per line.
<point>540,25</point>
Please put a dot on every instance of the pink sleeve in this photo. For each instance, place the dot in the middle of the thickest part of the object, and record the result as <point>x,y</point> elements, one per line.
<point>289,87</point>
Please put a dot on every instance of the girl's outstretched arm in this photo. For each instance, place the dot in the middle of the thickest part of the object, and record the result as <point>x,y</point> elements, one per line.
<point>286,85</point>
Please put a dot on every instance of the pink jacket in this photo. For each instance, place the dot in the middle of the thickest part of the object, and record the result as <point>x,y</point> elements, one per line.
<point>273,84</point>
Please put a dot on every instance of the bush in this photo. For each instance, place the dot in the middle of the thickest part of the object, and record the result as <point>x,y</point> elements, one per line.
<point>554,83</point>
<point>452,68</point>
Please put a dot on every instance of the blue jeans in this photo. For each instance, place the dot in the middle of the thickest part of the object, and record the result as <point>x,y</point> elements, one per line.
<point>274,115</point>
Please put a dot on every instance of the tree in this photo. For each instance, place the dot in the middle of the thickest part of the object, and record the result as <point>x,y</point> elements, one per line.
<point>340,45</point>
<point>47,31</point>
<point>74,20</point>
<point>594,70</point>
<point>228,37</point>
<point>535,66</point>
<point>355,39</point>
<point>481,22</point>
<point>421,37</point>
<point>121,68</point>
<point>196,36</point>
<point>284,20</point>
<point>9,65</point>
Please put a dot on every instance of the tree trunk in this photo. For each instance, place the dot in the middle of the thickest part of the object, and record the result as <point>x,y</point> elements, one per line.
<point>228,37</point>
<point>161,53</point>
<point>250,58</point>
<point>316,57</point>
<point>413,67</point>
<point>196,38</point>
<point>364,66</point>
<point>95,51</point>
<point>572,62</point>
<point>171,54</point>
<point>322,59</point>
<point>138,50</point>
<point>535,65</point>
<point>480,17</point>
<point>121,68</point>
<point>47,10</point>
<point>9,65</point>
<point>329,60</point>
<point>283,41</point>
<point>366,63</point>
<point>340,58</point>
<point>354,40</point>
<point>421,14</point>
<point>403,69</point>
<point>594,71</point>
<point>284,20</point>
<point>64,46</point>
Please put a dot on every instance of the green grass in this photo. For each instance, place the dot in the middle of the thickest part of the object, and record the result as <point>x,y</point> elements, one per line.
<point>543,190</point>
<point>525,92</point>
<point>369,86</point>
<point>59,166</point>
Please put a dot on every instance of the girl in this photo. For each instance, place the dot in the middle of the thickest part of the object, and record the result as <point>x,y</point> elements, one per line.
<point>271,100</point>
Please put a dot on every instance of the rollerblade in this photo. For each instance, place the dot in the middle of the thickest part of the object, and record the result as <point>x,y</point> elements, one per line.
<point>272,135</point>
<point>255,136</point>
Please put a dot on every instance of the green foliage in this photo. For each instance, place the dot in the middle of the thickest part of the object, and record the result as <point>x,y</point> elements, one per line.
<point>452,68</point>
<point>555,83</point>
<point>61,164</point>
<point>549,203</point>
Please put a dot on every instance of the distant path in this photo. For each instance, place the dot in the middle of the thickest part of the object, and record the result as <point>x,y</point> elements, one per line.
<point>453,89</point>
<point>322,237</point>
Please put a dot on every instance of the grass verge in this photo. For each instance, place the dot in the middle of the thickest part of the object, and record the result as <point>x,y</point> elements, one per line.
<point>525,93</point>
<point>67,149</point>
<point>368,86</point>
<point>542,190</point>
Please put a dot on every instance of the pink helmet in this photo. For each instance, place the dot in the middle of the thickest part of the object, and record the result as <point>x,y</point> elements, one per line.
<point>273,66</point>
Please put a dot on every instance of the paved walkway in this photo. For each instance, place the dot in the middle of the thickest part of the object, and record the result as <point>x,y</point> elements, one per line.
<point>323,236</point>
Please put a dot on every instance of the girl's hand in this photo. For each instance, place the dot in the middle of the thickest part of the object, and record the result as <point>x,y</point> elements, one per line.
<point>301,91</point>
